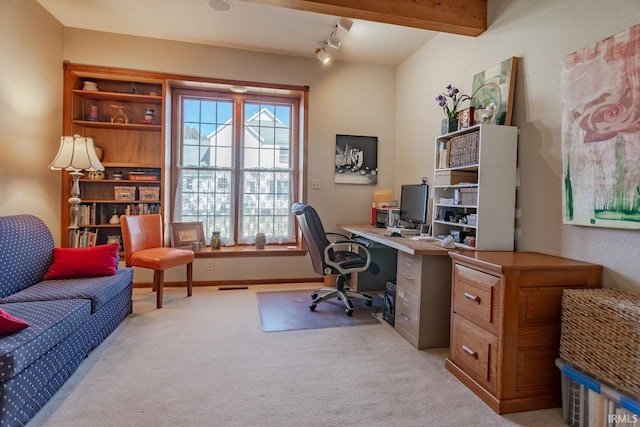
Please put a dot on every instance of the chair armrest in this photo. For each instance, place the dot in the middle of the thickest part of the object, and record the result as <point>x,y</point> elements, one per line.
<point>349,244</point>
<point>336,234</point>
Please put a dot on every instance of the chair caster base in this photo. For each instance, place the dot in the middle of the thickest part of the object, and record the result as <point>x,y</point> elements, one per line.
<point>312,307</point>
<point>349,311</point>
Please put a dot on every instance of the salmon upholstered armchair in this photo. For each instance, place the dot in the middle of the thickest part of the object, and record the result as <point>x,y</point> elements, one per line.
<point>142,237</point>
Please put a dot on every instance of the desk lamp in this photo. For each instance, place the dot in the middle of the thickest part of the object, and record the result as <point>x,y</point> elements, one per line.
<point>76,153</point>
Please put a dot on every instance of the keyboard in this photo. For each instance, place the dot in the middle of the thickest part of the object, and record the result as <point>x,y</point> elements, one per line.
<point>404,231</point>
<point>424,238</point>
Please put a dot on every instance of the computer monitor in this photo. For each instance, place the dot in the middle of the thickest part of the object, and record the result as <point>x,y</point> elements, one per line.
<point>414,204</point>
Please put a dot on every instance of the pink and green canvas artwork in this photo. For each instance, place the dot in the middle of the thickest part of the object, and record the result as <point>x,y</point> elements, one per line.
<point>600,90</point>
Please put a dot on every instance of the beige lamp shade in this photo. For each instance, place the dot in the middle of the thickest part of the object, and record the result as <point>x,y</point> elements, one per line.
<point>76,153</point>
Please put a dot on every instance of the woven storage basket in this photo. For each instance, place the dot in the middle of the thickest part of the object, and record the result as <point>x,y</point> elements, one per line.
<point>464,150</point>
<point>601,335</point>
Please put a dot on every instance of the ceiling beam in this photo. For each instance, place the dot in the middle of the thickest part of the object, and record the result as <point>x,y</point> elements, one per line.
<point>464,17</point>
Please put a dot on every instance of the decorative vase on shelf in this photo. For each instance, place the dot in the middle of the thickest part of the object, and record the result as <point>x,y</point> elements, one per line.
<point>115,239</point>
<point>449,124</point>
<point>215,240</point>
<point>115,219</point>
<point>452,124</point>
<point>261,240</point>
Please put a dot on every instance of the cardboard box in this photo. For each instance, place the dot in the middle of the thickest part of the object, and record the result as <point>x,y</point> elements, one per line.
<point>455,177</point>
<point>469,196</point>
<point>124,193</point>
<point>149,194</point>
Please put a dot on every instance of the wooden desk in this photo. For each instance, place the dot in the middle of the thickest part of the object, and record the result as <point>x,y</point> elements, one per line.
<point>423,286</point>
<point>404,244</point>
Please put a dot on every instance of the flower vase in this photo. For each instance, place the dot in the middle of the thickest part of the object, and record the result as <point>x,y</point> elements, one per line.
<point>215,240</point>
<point>452,124</point>
<point>261,240</point>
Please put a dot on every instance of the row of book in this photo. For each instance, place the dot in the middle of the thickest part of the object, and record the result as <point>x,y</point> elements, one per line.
<point>97,213</point>
<point>85,238</point>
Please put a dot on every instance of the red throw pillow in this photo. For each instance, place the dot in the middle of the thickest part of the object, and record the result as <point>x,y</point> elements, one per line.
<point>10,324</point>
<point>72,263</point>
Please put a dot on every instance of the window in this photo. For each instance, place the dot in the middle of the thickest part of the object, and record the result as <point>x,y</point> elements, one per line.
<point>237,164</point>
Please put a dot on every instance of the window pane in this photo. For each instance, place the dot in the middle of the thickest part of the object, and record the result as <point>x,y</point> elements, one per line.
<point>206,197</point>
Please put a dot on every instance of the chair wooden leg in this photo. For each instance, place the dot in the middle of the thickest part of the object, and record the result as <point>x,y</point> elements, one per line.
<point>158,283</point>
<point>189,279</point>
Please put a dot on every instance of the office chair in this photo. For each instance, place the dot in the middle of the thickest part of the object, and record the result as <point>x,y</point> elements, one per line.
<point>144,247</point>
<point>338,257</point>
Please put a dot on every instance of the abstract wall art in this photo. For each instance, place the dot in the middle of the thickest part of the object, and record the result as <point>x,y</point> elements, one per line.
<point>492,93</point>
<point>600,91</point>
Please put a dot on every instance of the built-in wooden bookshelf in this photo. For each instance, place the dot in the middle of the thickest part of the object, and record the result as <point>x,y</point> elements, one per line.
<point>125,117</point>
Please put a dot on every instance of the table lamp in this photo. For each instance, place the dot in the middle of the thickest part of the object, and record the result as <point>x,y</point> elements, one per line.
<point>76,153</point>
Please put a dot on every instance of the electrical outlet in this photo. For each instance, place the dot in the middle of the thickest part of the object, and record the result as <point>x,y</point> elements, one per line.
<point>315,184</point>
<point>210,265</point>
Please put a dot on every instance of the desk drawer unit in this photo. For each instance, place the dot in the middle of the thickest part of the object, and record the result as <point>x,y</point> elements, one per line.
<point>407,312</point>
<point>409,272</point>
<point>505,324</point>
<point>424,313</point>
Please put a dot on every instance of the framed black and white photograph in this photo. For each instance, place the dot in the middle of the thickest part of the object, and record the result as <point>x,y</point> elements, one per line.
<point>356,159</point>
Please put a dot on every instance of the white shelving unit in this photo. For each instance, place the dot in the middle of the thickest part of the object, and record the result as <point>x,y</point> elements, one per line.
<point>493,175</point>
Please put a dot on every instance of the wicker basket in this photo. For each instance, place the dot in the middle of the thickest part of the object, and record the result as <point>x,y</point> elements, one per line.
<point>601,335</point>
<point>464,150</point>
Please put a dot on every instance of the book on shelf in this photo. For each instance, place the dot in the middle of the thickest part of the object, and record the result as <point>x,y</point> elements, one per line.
<point>143,175</point>
<point>85,238</point>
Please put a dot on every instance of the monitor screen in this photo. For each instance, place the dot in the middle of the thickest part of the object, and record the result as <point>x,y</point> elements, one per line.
<point>414,202</point>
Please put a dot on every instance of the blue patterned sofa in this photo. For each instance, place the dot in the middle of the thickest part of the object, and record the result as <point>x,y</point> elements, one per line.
<point>67,317</point>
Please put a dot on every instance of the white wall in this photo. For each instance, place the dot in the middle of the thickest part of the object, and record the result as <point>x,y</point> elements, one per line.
<point>30,110</point>
<point>540,33</point>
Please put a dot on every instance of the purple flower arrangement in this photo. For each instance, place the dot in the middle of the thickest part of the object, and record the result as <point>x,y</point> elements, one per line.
<point>450,101</point>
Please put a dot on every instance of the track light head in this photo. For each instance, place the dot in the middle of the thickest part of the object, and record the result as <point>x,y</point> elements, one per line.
<point>334,41</point>
<point>323,56</point>
<point>344,24</point>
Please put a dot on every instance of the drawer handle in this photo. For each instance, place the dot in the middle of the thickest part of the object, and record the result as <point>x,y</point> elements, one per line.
<point>472,297</point>
<point>470,352</point>
<point>405,317</point>
<point>406,276</point>
<point>408,262</point>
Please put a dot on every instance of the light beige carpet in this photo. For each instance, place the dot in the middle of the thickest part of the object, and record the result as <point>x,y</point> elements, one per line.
<point>204,361</point>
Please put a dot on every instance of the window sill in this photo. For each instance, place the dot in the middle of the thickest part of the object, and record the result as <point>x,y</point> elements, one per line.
<point>249,251</point>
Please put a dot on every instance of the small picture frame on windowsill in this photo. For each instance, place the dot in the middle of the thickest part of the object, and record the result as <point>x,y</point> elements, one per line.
<point>185,234</point>
<point>465,118</point>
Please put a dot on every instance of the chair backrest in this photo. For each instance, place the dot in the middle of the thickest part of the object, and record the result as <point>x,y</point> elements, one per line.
<point>140,232</point>
<point>313,233</point>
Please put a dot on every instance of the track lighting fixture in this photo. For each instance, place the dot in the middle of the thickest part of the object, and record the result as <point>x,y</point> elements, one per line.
<point>323,56</point>
<point>334,40</point>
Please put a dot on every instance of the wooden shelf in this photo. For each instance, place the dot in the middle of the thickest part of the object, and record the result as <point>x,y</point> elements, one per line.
<point>120,181</point>
<point>117,96</point>
<point>119,202</point>
<point>109,125</point>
